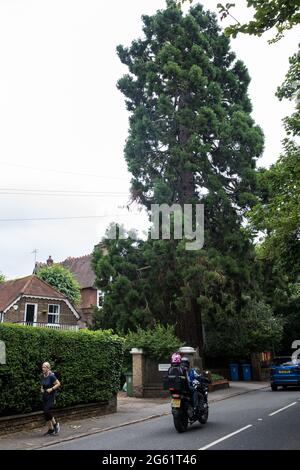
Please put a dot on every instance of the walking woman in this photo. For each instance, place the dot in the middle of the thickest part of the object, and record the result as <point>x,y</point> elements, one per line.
<point>49,384</point>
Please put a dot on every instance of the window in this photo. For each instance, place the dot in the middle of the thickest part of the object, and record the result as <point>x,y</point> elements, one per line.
<point>53,313</point>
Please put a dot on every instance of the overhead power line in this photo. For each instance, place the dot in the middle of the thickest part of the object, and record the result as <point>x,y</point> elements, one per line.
<point>64,172</point>
<point>31,219</point>
<point>54,218</point>
<point>58,192</point>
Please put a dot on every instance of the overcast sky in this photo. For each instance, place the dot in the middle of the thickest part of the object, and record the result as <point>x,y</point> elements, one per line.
<point>63,123</point>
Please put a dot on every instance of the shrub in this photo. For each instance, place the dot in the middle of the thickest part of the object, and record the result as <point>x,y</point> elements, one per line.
<point>216,377</point>
<point>62,280</point>
<point>89,365</point>
<point>158,342</point>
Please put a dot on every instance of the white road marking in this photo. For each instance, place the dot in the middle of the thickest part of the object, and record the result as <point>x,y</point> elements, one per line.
<point>259,419</point>
<point>226,437</point>
<point>281,409</point>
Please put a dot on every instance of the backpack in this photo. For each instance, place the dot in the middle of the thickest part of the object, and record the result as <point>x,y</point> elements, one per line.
<point>58,376</point>
<point>176,379</point>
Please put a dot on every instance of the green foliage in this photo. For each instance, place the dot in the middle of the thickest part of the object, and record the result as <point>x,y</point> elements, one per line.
<point>190,125</point>
<point>89,365</point>
<point>282,14</point>
<point>290,308</point>
<point>61,279</point>
<point>254,329</point>
<point>290,89</point>
<point>191,140</point>
<point>158,342</point>
<point>278,213</point>
<point>119,274</point>
<point>2,278</point>
<point>215,377</point>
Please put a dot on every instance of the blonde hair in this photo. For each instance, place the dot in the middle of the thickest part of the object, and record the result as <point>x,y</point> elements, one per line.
<point>46,364</point>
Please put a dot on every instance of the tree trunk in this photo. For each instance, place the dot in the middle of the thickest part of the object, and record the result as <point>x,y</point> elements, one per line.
<point>187,191</point>
<point>189,327</point>
<point>190,324</point>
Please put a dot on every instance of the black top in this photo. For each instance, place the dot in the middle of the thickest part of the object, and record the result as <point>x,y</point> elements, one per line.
<point>48,382</point>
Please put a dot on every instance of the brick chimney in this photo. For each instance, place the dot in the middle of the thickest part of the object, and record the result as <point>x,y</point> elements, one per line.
<point>49,261</point>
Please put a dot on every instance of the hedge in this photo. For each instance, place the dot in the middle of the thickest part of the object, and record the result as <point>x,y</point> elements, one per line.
<point>88,363</point>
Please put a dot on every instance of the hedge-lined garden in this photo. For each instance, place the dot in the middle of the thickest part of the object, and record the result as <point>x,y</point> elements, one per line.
<point>88,362</point>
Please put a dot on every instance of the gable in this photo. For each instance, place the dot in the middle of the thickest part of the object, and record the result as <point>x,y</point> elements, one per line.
<point>30,286</point>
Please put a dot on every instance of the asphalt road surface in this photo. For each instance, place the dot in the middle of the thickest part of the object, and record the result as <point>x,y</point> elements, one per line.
<point>259,420</point>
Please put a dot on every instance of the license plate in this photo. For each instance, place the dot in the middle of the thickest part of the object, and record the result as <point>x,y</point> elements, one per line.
<point>284,371</point>
<point>175,402</point>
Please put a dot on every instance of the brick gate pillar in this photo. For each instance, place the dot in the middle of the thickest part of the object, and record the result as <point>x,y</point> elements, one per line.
<point>138,372</point>
<point>190,353</point>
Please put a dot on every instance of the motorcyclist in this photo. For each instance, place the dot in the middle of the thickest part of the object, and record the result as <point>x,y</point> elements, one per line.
<point>193,379</point>
<point>176,359</point>
<point>176,374</point>
<point>176,368</point>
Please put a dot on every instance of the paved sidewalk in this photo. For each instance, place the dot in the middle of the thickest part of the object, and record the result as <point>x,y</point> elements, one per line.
<point>130,410</point>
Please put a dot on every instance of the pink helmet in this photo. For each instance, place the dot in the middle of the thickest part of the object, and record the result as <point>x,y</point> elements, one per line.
<point>176,358</point>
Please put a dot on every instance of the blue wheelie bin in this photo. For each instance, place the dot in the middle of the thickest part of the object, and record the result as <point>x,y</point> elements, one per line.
<point>246,371</point>
<point>234,371</point>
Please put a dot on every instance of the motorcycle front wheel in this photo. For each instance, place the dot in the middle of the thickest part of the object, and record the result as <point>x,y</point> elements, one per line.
<point>204,415</point>
<point>180,420</point>
<point>204,410</point>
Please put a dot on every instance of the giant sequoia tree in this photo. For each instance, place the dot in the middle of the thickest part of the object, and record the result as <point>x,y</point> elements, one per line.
<point>191,136</point>
<point>191,140</point>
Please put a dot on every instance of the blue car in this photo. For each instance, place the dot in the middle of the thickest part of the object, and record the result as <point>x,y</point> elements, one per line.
<point>285,373</point>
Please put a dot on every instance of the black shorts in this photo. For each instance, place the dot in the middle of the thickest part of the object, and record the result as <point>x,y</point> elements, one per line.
<point>48,404</point>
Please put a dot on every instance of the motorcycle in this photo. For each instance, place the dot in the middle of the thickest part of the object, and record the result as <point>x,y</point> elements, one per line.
<point>182,405</point>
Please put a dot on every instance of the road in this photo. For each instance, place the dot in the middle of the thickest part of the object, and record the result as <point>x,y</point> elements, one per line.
<point>259,420</point>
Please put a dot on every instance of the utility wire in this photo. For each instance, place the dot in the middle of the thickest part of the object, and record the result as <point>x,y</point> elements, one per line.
<point>66,218</point>
<point>59,192</point>
<point>63,195</point>
<point>64,172</point>
<point>54,218</point>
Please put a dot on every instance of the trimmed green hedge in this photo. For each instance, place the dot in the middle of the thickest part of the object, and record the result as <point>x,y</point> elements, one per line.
<point>88,362</point>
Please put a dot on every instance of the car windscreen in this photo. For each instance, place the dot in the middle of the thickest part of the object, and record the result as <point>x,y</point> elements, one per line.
<point>278,361</point>
<point>291,363</point>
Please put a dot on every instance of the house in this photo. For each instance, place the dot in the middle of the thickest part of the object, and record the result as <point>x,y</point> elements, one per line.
<point>31,301</point>
<point>90,296</point>
<point>82,271</point>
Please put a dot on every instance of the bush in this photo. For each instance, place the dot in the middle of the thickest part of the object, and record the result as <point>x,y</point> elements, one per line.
<point>158,342</point>
<point>62,280</point>
<point>89,365</point>
<point>216,377</point>
<point>233,335</point>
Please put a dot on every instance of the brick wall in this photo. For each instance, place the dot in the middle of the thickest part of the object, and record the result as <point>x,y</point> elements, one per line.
<point>16,423</point>
<point>66,315</point>
<point>88,303</point>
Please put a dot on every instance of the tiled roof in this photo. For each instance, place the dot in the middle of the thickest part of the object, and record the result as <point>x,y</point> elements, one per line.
<point>30,286</point>
<point>81,269</point>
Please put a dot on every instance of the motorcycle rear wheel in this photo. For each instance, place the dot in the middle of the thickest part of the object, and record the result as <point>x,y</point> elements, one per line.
<point>180,421</point>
